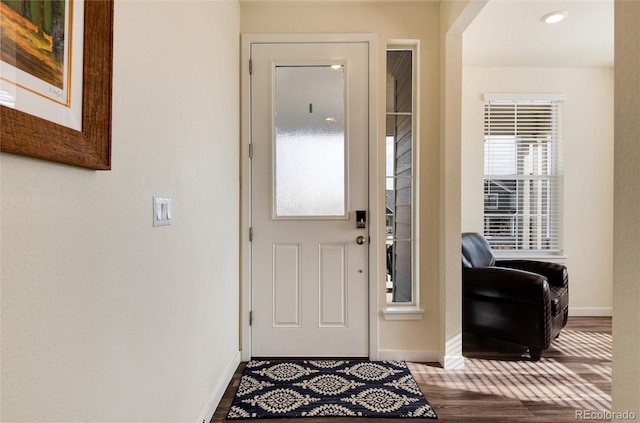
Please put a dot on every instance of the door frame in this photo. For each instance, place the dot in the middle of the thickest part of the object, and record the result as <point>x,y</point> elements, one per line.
<point>376,232</point>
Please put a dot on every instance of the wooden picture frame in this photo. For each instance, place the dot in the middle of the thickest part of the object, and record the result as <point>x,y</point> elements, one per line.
<point>28,135</point>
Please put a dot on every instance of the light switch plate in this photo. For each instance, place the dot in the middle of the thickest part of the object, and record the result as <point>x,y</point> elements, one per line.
<point>161,211</point>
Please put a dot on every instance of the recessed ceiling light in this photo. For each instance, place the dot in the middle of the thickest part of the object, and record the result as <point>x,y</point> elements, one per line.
<point>555,17</point>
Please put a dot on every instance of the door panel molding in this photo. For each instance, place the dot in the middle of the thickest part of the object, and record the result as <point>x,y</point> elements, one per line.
<point>376,199</point>
<point>286,283</point>
<point>332,284</point>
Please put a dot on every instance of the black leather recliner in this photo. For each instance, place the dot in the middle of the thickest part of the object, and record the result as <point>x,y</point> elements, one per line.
<point>520,301</point>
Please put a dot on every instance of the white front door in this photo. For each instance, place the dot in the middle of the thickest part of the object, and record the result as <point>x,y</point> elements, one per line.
<point>309,181</point>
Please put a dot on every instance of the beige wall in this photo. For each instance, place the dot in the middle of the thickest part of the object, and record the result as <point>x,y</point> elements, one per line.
<point>410,20</point>
<point>105,318</point>
<point>587,160</point>
<point>455,17</point>
<point>626,330</point>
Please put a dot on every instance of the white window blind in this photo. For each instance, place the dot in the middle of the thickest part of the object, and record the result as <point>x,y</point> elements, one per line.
<point>522,174</point>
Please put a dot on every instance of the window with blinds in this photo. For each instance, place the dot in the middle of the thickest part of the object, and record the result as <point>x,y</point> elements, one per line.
<point>522,174</point>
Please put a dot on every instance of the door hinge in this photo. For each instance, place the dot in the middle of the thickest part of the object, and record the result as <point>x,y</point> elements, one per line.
<point>250,234</point>
<point>250,67</point>
<point>251,151</point>
<point>250,318</point>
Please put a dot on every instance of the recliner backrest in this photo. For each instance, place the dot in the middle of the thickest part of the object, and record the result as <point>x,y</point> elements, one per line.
<point>476,251</point>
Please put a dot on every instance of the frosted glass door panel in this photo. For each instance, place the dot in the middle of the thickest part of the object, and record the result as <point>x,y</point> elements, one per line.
<point>310,175</point>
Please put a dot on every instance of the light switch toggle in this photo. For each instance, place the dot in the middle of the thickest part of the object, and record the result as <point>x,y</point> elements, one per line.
<point>161,211</point>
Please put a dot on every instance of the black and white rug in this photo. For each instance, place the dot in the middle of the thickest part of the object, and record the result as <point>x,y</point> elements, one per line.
<point>328,388</point>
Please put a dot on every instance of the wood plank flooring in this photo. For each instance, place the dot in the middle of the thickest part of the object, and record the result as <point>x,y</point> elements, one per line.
<point>500,384</point>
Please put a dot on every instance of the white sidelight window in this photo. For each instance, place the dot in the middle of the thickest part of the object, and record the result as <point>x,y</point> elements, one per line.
<point>401,183</point>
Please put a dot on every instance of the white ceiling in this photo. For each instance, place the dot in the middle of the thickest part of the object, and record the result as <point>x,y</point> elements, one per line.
<point>511,33</point>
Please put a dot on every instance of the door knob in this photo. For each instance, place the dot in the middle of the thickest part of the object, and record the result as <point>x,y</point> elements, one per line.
<point>360,240</point>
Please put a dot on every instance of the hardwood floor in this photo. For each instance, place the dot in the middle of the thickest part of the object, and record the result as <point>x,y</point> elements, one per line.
<point>501,384</point>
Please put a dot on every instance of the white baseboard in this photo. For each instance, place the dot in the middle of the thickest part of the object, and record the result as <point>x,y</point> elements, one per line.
<point>409,355</point>
<point>218,392</point>
<point>417,356</point>
<point>450,362</point>
<point>590,312</point>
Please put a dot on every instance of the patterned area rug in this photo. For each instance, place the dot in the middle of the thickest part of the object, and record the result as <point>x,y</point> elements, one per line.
<point>328,388</point>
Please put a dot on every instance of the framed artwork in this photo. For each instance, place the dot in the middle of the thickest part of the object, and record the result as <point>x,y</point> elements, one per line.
<point>83,140</point>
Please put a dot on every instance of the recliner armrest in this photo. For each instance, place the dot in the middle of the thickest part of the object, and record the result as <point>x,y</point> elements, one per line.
<point>555,273</point>
<point>503,284</point>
